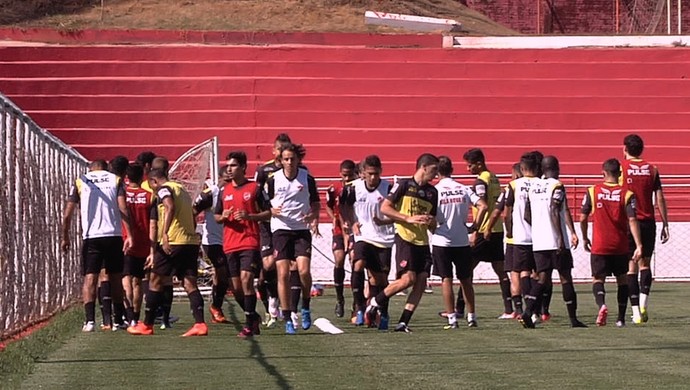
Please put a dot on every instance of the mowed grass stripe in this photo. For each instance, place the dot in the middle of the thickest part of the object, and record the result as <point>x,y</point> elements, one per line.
<point>497,355</point>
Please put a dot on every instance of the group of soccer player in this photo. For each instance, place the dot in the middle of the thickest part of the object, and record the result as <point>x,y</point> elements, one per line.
<point>139,225</point>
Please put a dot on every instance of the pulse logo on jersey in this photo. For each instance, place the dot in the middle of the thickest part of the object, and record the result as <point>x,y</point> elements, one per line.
<point>639,170</point>
<point>228,198</point>
<point>137,198</point>
<point>611,196</point>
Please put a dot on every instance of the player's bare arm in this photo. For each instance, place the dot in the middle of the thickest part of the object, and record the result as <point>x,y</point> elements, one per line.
<point>389,210</point>
<point>124,214</point>
<point>66,222</point>
<point>663,211</point>
<point>169,214</point>
<point>584,227</point>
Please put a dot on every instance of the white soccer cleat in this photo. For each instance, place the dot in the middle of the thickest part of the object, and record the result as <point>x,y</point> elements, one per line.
<point>273,308</point>
<point>89,327</point>
<point>295,318</point>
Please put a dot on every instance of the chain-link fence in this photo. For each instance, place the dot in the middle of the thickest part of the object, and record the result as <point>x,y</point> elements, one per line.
<point>668,261</point>
<point>36,278</point>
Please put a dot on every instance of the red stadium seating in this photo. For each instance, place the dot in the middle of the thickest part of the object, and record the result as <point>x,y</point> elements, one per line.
<point>349,102</point>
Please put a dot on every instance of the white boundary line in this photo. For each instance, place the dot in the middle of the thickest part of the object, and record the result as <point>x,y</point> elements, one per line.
<point>563,42</point>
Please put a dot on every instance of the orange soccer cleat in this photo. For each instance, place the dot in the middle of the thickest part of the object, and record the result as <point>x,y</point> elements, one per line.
<point>140,329</point>
<point>199,329</point>
<point>217,316</point>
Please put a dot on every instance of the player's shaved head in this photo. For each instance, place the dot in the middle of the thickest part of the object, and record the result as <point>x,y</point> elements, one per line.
<point>550,166</point>
<point>612,167</point>
<point>98,165</point>
<point>160,163</point>
<point>158,173</point>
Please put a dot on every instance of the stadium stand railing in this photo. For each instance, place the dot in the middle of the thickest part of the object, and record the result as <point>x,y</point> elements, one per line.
<point>37,279</point>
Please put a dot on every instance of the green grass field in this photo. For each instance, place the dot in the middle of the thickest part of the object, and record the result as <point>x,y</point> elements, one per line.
<point>499,354</point>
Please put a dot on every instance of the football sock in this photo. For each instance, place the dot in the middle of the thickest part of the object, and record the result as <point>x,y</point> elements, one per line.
<point>306,303</point>
<point>118,312</point>
<point>295,290</point>
<point>634,290</point>
<point>460,303</point>
<point>382,299</point>
<point>219,294</point>
<point>599,294</point>
<point>287,315</point>
<point>196,303</point>
<point>525,286</point>
<point>129,312</point>
<point>106,302</point>
<point>532,299</point>
<point>339,279</point>
<point>239,298</point>
<point>570,298</point>
<point>406,316</point>
<point>358,289</point>
<point>645,281</point>
<point>136,316</point>
<point>517,302</point>
<point>90,311</point>
<point>271,282</point>
<point>166,302</point>
<point>622,301</point>
<point>505,293</point>
<point>153,300</point>
<point>546,298</point>
<point>249,308</point>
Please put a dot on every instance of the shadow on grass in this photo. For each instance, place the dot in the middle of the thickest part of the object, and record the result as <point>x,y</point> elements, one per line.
<point>28,10</point>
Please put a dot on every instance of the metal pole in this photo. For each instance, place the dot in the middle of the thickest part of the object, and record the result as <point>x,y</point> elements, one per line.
<point>617,16</point>
<point>668,17</point>
<point>680,19</point>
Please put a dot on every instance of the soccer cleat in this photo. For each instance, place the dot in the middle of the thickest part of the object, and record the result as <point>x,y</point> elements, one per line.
<point>271,323</point>
<point>620,324</point>
<point>141,329</point>
<point>545,317</point>
<point>507,316</point>
<point>165,326</point>
<point>643,314</point>
<point>575,323</point>
<point>526,321</point>
<point>217,316</point>
<point>637,319</point>
<point>383,323</point>
<point>340,309</point>
<point>199,329</point>
<point>601,317</point>
<point>294,317</point>
<point>273,308</point>
<point>402,327</point>
<point>536,318</point>
<point>290,328</point>
<point>472,324</point>
<point>89,326</point>
<point>306,319</point>
<point>359,318</point>
<point>256,324</point>
<point>117,327</point>
<point>454,325</point>
<point>106,328</point>
<point>370,317</point>
<point>428,289</point>
<point>245,333</point>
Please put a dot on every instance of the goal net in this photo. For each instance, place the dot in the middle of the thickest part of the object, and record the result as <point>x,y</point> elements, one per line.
<point>196,165</point>
<point>643,16</point>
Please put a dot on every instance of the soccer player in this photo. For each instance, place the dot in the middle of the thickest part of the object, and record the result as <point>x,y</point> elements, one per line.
<point>516,205</point>
<point>347,174</point>
<point>139,207</point>
<point>487,187</point>
<point>239,207</point>
<point>547,208</point>
<point>212,245</point>
<point>145,159</point>
<point>642,178</point>
<point>100,196</point>
<point>176,253</point>
<point>361,203</point>
<point>412,204</point>
<point>294,212</point>
<point>268,277</point>
<point>451,246</point>
<point>613,210</point>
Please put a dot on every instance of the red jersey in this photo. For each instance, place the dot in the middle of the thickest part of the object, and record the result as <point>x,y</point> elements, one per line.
<point>333,202</point>
<point>610,206</point>
<point>139,207</point>
<point>240,235</point>
<point>642,178</point>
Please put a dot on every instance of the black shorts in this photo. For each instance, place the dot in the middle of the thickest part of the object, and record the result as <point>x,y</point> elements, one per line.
<point>376,259</point>
<point>551,259</point>
<point>216,255</point>
<point>265,239</point>
<point>523,258</point>
<point>351,242</point>
<point>411,257</point>
<point>447,257</point>
<point>648,236</point>
<point>291,244</point>
<point>491,250</point>
<point>102,252</point>
<point>605,265</point>
<point>338,242</point>
<point>509,258</point>
<point>248,260</point>
<point>134,266</point>
<point>183,261</point>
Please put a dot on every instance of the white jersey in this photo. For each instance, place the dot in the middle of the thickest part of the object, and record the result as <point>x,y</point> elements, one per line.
<point>294,197</point>
<point>545,196</point>
<point>367,205</point>
<point>211,231</point>
<point>454,201</point>
<point>97,193</point>
<point>517,199</point>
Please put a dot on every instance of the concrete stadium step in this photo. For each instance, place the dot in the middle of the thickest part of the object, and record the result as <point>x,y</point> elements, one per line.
<point>653,104</point>
<point>306,86</point>
<point>344,69</point>
<point>318,119</point>
<point>261,137</point>
<point>302,53</point>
